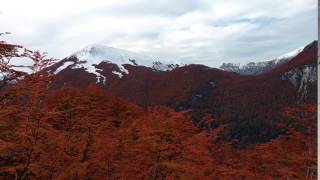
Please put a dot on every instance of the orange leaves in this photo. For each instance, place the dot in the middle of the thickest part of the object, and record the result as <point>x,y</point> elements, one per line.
<point>158,143</point>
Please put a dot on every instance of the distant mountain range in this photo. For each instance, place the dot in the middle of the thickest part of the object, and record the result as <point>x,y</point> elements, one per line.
<point>107,64</point>
<point>256,68</point>
<point>92,55</point>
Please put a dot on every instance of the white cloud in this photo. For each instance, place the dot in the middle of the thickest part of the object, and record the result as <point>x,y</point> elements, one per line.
<point>205,31</point>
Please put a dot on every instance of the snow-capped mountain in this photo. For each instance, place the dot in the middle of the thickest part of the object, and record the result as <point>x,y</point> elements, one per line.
<point>91,56</point>
<point>256,68</point>
<point>98,53</point>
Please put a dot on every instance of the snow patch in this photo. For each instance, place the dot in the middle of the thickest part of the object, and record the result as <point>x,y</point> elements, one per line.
<point>118,73</point>
<point>91,68</point>
<point>64,66</point>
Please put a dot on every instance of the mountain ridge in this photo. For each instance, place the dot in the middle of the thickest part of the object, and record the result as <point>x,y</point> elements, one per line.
<point>257,68</point>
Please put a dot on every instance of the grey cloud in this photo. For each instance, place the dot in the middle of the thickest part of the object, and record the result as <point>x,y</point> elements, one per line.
<point>155,7</point>
<point>274,38</point>
<point>259,20</point>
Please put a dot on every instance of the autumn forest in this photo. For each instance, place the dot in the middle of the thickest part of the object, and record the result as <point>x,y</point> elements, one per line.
<point>204,123</point>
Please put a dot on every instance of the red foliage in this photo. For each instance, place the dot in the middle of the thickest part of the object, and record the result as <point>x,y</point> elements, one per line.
<point>89,134</point>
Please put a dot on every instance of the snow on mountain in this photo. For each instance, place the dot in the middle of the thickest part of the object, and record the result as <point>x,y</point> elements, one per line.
<point>256,68</point>
<point>252,68</point>
<point>159,66</point>
<point>97,53</point>
<point>65,65</point>
<point>92,55</point>
<point>290,54</point>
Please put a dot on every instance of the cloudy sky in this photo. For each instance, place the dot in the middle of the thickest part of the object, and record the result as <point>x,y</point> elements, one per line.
<point>191,31</point>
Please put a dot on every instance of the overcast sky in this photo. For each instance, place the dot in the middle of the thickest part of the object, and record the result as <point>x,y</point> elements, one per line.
<point>192,31</point>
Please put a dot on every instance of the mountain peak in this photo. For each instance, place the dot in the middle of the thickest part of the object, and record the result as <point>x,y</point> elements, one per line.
<point>89,57</point>
<point>97,53</point>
